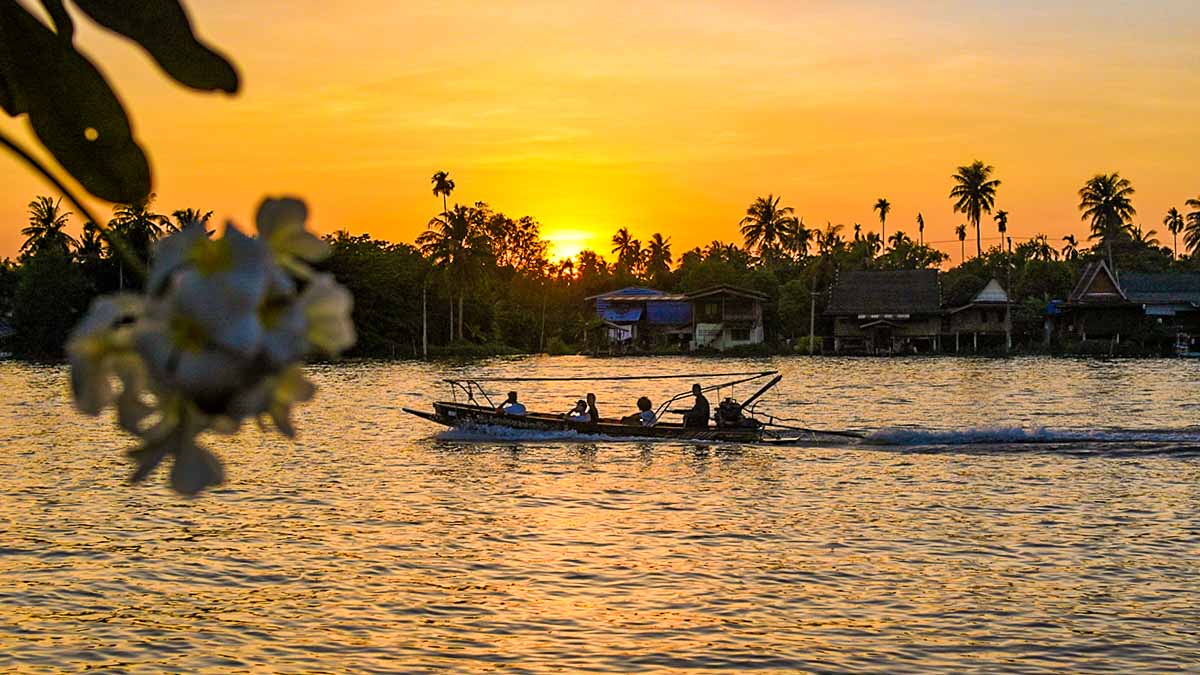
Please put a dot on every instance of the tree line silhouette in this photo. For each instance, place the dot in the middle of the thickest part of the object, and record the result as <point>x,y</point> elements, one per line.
<point>478,282</point>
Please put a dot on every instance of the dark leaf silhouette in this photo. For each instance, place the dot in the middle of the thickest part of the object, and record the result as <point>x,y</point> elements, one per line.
<point>73,111</point>
<point>163,29</point>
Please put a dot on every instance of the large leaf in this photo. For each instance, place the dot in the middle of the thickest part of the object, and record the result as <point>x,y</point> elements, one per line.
<point>163,29</point>
<point>73,111</point>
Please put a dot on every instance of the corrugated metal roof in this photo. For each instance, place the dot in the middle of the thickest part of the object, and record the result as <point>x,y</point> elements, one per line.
<point>886,292</point>
<point>668,313</point>
<point>1161,288</point>
<point>993,292</point>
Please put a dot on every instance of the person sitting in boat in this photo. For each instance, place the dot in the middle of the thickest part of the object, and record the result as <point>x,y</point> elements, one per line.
<point>579,413</point>
<point>644,416</point>
<point>593,413</point>
<point>511,406</point>
<point>697,417</point>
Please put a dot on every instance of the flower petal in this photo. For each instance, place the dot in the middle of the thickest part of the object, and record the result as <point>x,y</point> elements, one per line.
<point>327,307</point>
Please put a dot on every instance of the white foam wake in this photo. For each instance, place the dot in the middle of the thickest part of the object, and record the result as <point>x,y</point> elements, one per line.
<point>1022,435</point>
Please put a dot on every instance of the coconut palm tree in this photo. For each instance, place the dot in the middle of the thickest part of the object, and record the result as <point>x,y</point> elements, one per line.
<point>1143,237</point>
<point>46,229</point>
<point>139,225</point>
<point>974,193</point>
<point>857,231</point>
<point>185,217</point>
<point>1070,249</point>
<point>767,224</point>
<point>831,239</point>
<point>921,228</point>
<point>658,257</point>
<point>443,185</point>
<point>91,242</point>
<point>1174,223</point>
<point>1041,249</point>
<point>1001,219</point>
<point>884,208</point>
<point>1191,235</point>
<point>628,250</point>
<point>795,240</point>
<point>457,243</point>
<point>961,233</point>
<point>1104,201</point>
<point>899,239</point>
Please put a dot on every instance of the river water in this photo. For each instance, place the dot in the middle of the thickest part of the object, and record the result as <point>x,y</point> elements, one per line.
<point>1008,515</point>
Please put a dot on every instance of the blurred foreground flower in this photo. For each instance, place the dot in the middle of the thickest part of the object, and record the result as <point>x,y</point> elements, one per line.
<point>217,338</point>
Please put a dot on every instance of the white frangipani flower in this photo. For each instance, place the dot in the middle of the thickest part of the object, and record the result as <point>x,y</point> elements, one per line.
<point>282,225</point>
<point>218,338</point>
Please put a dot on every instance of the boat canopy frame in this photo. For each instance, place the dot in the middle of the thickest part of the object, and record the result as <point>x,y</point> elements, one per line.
<point>469,386</point>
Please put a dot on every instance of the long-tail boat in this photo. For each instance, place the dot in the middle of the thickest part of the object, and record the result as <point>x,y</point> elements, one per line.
<point>733,421</point>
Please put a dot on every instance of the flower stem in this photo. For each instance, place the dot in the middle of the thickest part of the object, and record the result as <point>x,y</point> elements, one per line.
<point>115,241</point>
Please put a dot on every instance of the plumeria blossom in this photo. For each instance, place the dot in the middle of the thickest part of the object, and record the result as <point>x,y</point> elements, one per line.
<point>217,338</point>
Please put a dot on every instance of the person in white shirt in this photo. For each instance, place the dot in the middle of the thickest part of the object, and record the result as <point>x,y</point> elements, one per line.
<point>644,416</point>
<point>579,413</point>
<point>511,406</point>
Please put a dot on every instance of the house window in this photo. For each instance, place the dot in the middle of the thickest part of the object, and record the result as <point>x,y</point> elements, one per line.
<point>740,334</point>
<point>710,312</point>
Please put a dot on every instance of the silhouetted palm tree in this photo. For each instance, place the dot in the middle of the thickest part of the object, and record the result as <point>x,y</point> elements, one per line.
<point>1070,249</point>
<point>91,242</point>
<point>974,193</point>
<point>921,227</point>
<point>1143,237</point>
<point>46,229</point>
<point>1001,219</point>
<point>884,208</point>
<point>457,243</point>
<point>961,233</point>
<point>1174,223</point>
<point>443,185</point>
<point>857,231</point>
<point>829,241</point>
<point>1041,248</point>
<point>628,250</point>
<point>1105,201</point>
<point>795,240</point>
<point>139,226</point>
<point>1191,235</point>
<point>767,224</point>
<point>658,257</point>
<point>899,239</point>
<point>185,217</point>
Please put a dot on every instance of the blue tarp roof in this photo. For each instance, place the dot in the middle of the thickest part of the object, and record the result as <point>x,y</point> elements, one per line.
<point>668,313</point>
<point>618,312</point>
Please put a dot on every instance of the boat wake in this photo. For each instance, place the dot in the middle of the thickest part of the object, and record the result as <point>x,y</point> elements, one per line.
<point>1114,442</point>
<point>1083,441</point>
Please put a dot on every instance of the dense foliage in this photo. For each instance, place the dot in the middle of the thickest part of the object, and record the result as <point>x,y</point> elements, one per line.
<point>484,283</point>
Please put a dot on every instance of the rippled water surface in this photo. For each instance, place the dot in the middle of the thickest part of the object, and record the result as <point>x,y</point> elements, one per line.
<point>1012,515</point>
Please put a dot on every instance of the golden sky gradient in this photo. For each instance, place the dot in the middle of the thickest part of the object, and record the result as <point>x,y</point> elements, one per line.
<point>667,116</point>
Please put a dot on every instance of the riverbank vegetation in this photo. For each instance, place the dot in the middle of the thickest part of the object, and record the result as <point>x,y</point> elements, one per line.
<point>485,283</point>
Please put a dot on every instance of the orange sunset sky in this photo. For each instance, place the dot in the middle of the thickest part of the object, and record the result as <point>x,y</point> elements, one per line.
<point>665,116</point>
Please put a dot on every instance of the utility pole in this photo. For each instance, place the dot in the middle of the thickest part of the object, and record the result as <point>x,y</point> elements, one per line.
<point>812,322</point>
<point>424,325</point>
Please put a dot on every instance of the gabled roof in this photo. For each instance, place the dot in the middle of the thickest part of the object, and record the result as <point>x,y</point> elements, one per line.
<point>992,293</point>
<point>725,289</point>
<point>886,292</point>
<point>1097,284</point>
<point>1165,288</point>
<point>628,292</point>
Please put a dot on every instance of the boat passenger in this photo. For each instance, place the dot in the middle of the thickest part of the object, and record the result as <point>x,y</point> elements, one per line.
<point>511,406</point>
<point>697,417</point>
<point>644,416</point>
<point>593,413</point>
<point>579,413</point>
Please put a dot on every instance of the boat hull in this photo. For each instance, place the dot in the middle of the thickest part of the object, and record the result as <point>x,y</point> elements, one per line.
<point>460,415</point>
